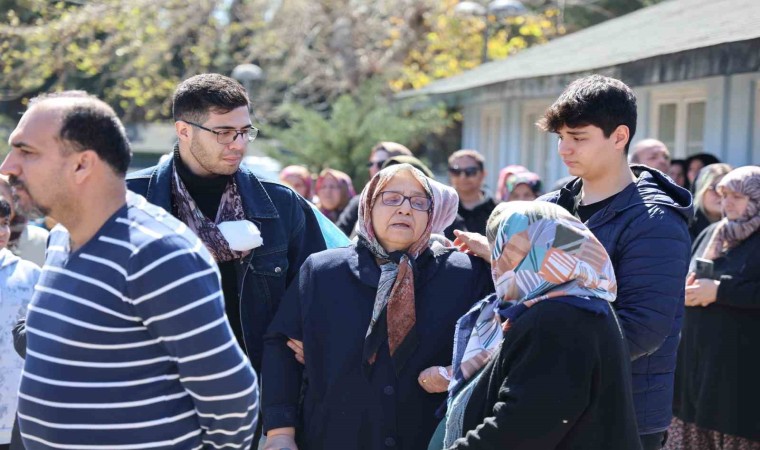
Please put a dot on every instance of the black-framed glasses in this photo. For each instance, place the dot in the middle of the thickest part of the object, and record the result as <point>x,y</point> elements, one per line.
<point>229,136</point>
<point>379,164</point>
<point>467,171</point>
<point>418,202</point>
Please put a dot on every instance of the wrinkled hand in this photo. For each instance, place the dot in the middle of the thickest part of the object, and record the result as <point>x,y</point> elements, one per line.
<point>473,244</point>
<point>701,292</point>
<point>297,347</point>
<point>280,442</point>
<point>432,381</point>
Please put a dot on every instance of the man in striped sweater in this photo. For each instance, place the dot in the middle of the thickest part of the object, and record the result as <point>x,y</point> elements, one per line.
<point>128,346</point>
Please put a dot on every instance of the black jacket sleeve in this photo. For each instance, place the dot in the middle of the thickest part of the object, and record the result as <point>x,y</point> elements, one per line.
<point>281,373</point>
<point>305,237</point>
<point>547,368</point>
<point>19,337</point>
<point>652,262</point>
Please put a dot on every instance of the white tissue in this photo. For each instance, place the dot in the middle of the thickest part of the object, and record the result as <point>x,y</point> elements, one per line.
<point>242,235</point>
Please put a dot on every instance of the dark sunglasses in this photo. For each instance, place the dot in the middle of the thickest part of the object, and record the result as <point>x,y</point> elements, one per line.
<point>467,171</point>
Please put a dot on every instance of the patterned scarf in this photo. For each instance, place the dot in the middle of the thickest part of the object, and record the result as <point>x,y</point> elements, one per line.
<point>730,233</point>
<point>393,314</point>
<point>230,209</point>
<point>538,252</point>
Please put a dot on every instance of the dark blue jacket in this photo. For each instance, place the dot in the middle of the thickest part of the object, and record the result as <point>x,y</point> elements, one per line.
<point>329,307</point>
<point>290,231</point>
<point>645,231</point>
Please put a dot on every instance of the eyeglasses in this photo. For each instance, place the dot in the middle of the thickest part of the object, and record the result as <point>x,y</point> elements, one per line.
<point>372,164</point>
<point>229,136</point>
<point>418,202</point>
<point>467,171</point>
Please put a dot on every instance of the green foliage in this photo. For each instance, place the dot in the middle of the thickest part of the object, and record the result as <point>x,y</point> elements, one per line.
<point>343,138</point>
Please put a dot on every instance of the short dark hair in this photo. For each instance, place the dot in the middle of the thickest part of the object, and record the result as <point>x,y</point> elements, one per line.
<point>468,153</point>
<point>5,208</point>
<point>88,123</point>
<point>593,100</point>
<point>207,92</point>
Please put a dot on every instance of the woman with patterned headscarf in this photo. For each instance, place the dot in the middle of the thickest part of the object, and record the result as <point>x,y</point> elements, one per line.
<point>717,390</point>
<point>542,364</point>
<point>369,318</point>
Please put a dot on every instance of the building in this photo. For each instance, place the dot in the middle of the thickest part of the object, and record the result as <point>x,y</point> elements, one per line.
<point>693,64</point>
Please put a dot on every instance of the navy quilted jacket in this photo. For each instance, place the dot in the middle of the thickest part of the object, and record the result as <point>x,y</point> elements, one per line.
<point>645,232</point>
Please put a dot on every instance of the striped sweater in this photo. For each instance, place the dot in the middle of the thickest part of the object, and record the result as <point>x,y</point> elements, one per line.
<point>128,346</point>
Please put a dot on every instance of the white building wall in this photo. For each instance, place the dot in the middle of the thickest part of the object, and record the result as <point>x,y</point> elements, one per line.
<point>731,132</point>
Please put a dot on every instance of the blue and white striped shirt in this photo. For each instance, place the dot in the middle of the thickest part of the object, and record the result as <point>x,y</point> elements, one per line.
<point>128,346</point>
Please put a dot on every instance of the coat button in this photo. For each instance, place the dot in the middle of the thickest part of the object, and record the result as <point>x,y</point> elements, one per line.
<point>277,270</point>
<point>388,390</point>
<point>390,442</point>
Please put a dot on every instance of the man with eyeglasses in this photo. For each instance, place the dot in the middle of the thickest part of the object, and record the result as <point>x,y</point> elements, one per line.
<point>466,172</point>
<point>259,232</point>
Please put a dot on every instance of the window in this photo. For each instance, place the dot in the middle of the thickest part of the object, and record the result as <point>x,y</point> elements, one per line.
<point>491,141</point>
<point>679,121</point>
<point>534,152</point>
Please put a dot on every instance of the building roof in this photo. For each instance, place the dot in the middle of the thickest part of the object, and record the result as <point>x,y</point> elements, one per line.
<point>669,27</point>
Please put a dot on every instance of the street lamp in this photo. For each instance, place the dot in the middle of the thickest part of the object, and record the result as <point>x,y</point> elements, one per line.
<point>499,8</point>
<point>250,76</point>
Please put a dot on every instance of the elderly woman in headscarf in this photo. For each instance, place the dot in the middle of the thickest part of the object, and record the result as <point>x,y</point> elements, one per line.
<point>706,199</point>
<point>334,190</point>
<point>717,390</point>
<point>371,317</point>
<point>542,364</point>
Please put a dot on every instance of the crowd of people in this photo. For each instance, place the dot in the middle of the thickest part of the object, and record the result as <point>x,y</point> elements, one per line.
<point>193,305</point>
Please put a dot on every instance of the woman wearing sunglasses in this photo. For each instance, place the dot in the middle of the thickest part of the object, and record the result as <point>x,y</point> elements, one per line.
<point>370,318</point>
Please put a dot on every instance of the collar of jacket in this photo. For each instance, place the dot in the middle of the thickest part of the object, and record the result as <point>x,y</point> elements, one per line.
<point>362,264</point>
<point>256,201</point>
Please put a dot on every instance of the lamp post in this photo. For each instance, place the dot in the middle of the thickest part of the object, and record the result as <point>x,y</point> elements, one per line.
<point>499,8</point>
<point>250,76</point>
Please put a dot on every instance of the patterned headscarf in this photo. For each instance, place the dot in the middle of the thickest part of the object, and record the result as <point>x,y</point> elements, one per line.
<point>729,233</point>
<point>538,252</point>
<point>502,193</point>
<point>346,191</point>
<point>393,315</point>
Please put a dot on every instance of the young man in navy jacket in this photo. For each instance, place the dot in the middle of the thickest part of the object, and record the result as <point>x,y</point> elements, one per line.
<point>641,217</point>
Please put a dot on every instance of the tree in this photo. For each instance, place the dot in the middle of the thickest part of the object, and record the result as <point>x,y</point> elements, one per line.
<point>454,43</point>
<point>342,138</point>
<point>131,54</point>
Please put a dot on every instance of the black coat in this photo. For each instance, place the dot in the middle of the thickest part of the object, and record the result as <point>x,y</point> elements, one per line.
<point>475,219</point>
<point>718,368</point>
<point>329,307</point>
<point>560,380</point>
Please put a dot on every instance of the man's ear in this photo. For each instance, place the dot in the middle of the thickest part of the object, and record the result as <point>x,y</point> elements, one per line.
<point>85,163</point>
<point>621,136</point>
<point>184,131</point>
